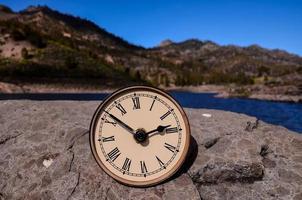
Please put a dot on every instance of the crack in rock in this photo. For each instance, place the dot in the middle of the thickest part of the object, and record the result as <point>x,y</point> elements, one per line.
<point>71,162</point>
<point>3,141</point>
<point>73,140</point>
<point>264,150</point>
<point>75,187</point>
<point>229,172</point>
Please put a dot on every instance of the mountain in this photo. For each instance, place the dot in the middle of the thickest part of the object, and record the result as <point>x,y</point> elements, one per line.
<point>41,45</point>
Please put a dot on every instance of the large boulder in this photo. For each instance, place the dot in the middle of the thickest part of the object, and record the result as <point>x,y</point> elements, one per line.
<point>45,154</point>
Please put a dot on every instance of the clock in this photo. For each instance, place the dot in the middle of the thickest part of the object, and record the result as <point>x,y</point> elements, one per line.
<point>140,136</point>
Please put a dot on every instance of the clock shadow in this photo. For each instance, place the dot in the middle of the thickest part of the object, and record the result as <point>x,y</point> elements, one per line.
<point>192,155</point>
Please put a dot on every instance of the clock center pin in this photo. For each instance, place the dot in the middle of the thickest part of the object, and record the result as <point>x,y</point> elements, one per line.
<point>140,135</point>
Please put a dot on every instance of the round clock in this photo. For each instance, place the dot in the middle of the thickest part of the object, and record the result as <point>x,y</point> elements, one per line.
<point>140,135</point>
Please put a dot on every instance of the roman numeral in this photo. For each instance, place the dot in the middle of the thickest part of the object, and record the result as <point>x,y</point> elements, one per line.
<point>108,139</point>
<point>152,105</point>
<point>172,130</point>
<point>126,165</point>
<point>121,108</point>
<point>143,168</point>
<point>114,154</point>
<point>109,122</point>
<point>161,163</point>
<point>165,115</point>
<point>171,147</point>
<point>136,103</point>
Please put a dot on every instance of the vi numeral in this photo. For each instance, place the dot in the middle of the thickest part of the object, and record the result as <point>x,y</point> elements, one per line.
<point>143,168</point>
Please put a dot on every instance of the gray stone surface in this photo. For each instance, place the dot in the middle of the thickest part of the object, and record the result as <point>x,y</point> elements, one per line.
<point>45,154</point>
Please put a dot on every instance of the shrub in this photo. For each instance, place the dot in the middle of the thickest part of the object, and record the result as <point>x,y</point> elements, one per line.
<point>24,53</point>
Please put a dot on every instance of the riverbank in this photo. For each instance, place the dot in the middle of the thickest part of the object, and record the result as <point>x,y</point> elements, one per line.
<point>45,154</point>
<point>261,92</point>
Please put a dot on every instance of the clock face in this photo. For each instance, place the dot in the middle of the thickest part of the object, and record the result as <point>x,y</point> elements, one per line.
<point>140,136</point>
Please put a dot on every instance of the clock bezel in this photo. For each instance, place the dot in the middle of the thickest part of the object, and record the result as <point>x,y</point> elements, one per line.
<point>92,132</point>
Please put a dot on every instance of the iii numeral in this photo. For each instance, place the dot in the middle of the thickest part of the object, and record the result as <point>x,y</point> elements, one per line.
<point>136,103</point>
<point>161,163</point>
<point>108,139</point>
<point>172,130</point>
<point>143,168</point>
<point>171,147</point>
<point>126,165</point>
<point>114,154</point>
<point>165,115</point>
<point>121,108</point>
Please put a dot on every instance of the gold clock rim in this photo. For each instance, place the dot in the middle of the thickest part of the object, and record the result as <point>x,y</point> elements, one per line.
<point>123,180</point>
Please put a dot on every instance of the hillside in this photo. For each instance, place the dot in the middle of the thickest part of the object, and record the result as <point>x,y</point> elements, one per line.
<point>41,45</point>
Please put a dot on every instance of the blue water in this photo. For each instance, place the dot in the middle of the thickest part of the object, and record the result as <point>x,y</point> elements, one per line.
<point>288,115</point>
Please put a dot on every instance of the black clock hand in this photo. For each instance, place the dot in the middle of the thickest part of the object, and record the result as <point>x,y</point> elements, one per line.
<point>158,129</point>
<point>121,123</point>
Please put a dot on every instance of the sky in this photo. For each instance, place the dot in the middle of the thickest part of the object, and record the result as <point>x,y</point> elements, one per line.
<point>268,23</point>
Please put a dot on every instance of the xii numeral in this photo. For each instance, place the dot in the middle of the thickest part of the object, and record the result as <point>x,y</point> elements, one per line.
<point>136,103</point>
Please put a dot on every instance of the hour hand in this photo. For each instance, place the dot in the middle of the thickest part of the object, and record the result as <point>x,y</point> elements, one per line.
<point>160,128</point>
<point>117,120</point>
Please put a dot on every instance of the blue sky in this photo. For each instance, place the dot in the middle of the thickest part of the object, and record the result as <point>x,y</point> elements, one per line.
<point>269,23</point>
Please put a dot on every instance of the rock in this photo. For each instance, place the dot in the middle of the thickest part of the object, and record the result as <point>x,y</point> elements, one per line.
<point>209,142</point>
<point>45,154</point>
<point>165,43</point>
<point>219,172</point>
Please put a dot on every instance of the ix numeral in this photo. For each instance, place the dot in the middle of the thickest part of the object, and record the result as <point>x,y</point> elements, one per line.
<point>107,139</point>
<point>136,103</point>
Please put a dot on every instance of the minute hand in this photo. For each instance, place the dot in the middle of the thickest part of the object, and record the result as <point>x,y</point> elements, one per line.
<point>121,123</point>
